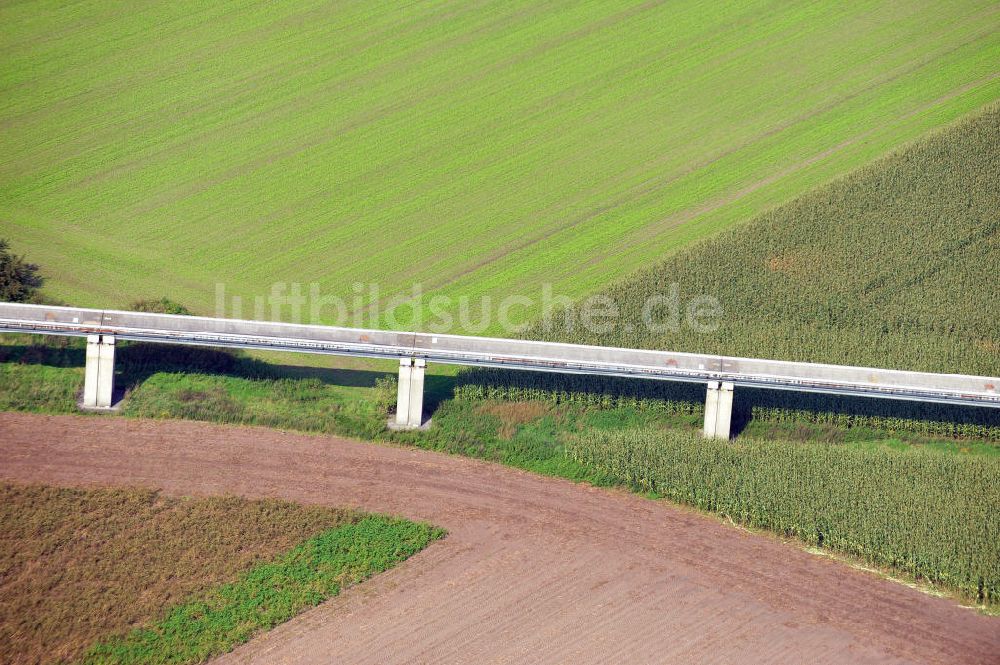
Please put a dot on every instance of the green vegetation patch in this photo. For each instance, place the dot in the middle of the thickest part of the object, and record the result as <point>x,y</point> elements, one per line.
<point>46,374</point>
<point>40,374</point>
<point>934,516</point>
<point>39,388</point>
<point>888,267</point>
<point>302,404</point>
<point>131,575</point>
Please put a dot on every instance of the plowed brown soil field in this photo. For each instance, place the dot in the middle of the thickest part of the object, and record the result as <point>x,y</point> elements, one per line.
<point>534,569</point>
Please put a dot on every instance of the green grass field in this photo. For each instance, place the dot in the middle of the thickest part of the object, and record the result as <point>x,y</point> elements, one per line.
<point>475,148</point>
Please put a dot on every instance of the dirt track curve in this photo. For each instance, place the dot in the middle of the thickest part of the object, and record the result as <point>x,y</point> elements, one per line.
<point>535,570</point>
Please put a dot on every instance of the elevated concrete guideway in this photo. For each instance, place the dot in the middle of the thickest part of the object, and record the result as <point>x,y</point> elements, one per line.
<point>722,374</point>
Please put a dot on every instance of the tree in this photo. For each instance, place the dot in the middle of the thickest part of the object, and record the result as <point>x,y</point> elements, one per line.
<point>19,280</point>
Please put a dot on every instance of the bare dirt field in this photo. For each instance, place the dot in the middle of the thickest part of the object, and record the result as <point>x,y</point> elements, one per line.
<point>534,569</point>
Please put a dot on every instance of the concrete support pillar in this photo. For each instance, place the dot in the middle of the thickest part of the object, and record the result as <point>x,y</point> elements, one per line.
<point>90,376</point>
<point>417,392</point>
<point>711,409</point>
<point>99,375</point>
<point>403,392</point>
<point>724,420</point>
<point>718,410</point>
<point>410,395</point>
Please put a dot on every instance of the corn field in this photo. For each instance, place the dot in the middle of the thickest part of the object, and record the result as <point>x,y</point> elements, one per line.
<point>934,516</point>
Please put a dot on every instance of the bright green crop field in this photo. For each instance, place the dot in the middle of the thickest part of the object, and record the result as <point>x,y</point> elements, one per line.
<point>471,147</point>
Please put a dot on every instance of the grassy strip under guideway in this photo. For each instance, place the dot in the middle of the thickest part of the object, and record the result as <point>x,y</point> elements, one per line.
<point>46,374</point>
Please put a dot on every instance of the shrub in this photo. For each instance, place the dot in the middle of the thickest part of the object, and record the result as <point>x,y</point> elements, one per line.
<point>162,306</point>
